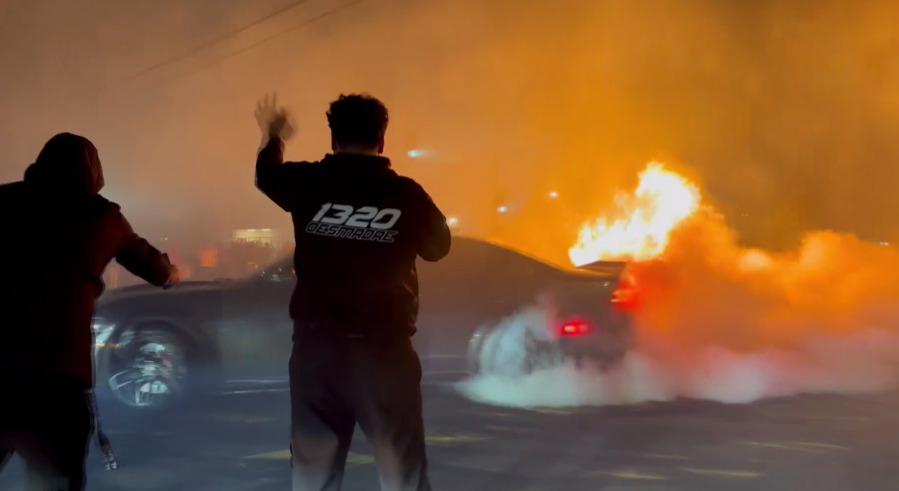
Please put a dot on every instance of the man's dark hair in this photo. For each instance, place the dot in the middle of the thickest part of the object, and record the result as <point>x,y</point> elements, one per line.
<point>357,119</point>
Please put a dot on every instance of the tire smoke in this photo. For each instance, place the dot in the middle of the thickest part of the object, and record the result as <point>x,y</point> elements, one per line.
<point>723,323</point>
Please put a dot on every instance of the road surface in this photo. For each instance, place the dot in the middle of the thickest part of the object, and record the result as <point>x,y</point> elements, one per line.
<point>237,441</point>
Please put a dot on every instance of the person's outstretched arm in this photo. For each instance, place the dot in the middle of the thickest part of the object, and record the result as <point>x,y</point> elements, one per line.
<point>140,258</point>
<point>434,238</point>
<point>273,177</point>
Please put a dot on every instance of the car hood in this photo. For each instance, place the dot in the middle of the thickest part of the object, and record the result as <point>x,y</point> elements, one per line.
<point>144,290</point>
<point>187,300</point>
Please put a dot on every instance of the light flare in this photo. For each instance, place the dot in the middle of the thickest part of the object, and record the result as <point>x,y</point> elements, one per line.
<point>644,219</point>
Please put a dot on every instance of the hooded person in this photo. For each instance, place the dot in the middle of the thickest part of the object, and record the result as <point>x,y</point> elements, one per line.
<point>59,235</point>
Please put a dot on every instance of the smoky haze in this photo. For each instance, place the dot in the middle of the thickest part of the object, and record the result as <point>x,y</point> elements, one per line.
<point>785,112</point>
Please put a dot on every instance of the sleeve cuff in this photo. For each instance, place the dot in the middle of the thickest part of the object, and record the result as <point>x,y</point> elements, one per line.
<point>269,140</point>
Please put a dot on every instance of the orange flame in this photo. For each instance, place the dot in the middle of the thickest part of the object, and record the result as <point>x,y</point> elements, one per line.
<point>662,200</point>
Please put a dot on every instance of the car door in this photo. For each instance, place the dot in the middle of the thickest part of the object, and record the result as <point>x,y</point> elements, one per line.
<point>256,328</point>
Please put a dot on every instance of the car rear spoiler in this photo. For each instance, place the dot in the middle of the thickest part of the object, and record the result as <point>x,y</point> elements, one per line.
<point>611,268</point>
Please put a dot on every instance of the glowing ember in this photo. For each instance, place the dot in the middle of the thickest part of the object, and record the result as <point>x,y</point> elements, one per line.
<point>662,200</point>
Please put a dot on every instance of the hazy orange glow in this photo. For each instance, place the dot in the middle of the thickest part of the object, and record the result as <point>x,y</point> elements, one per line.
<point>645,218</point>
<point>209,258</point>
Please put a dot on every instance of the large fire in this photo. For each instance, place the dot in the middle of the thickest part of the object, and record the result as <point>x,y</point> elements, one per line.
<point>643,221</point>
<point>699,285</point>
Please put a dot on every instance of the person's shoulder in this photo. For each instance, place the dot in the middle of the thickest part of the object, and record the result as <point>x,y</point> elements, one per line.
<point>304,165</point>
<point>104,206</point>
<point>100,200</point>
<point>13,195</point>
<point>408,184</point>
<point>302,162</point>
<point>314,163</point>
<point>13,187</point>
<point>411,188</point>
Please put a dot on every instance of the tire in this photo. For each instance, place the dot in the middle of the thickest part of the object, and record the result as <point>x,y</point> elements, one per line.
<point>150,371</point>
<point>541,355</point>
<point>487,356</point>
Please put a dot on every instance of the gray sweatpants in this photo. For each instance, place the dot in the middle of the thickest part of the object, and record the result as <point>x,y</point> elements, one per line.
<point>339,380</point>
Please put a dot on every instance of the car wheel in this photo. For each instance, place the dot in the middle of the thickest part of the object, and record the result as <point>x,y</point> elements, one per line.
<point>150,370</point>
<point>540,354</point>
<point>511,353</point>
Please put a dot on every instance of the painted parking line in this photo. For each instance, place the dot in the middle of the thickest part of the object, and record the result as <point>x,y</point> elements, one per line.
<point>508,429</point>
<point>559,411</point>
<point>352,458</point>
<point>452,439</point>
<point>569,411</point>
<point>826,446</point>
<point>278,455</point>
<point>724,473</point>
<point>629,474</point>
<point>357,458</point>
<point>811,447</point>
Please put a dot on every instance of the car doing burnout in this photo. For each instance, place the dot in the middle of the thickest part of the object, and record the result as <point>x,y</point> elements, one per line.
<point>155,347</point>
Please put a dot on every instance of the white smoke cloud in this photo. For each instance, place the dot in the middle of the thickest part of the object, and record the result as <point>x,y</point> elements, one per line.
<point>865,362</point>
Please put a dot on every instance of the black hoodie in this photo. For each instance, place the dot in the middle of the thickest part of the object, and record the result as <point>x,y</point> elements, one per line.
<point>358,227</point>
<point>59,236</point>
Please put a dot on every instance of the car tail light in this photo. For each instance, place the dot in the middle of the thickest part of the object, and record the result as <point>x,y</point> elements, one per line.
<point>626,292</point>
<point>573,328</point>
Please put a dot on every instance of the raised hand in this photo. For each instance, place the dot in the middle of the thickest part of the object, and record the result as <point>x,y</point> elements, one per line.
<point>274,120</point>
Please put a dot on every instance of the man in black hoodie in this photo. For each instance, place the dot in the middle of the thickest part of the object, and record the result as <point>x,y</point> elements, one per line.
<point>58,237</point>
<point>358,227</point>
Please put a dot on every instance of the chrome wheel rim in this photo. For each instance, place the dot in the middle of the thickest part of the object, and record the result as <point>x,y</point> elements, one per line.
<point>154,375</point>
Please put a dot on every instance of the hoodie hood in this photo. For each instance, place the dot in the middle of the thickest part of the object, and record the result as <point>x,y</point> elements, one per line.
<point>67,164</point>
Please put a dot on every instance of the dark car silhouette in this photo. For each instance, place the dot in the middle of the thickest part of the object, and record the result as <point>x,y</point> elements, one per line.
<point>153,348</point>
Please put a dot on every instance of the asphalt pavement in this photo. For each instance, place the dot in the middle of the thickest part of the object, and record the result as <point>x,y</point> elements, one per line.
<point>238,441</point>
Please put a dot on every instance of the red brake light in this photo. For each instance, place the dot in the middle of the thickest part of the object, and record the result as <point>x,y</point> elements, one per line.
<point>575,327</point>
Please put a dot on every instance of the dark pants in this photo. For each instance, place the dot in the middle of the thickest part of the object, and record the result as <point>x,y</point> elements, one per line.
<point>337,381</point>
<point>49,426</point>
